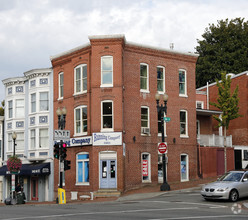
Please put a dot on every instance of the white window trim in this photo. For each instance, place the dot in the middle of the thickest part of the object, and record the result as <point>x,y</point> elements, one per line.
<point>12,109</point>
<point>19,107</point>
<point>30,109</point>
<point>39,100</point>
<point>81,183</point>
<point>148,112</point>
<point>149,168</point>
<point>145,90</point>
<point>60,97</point>
<point>30,139</point>
<point>107,129</point>
<point>186,117</point>
<point>186,87</point>
<point>111,84</point>
<point>201,103</point>
<point>81,121</point>
<point>163,80</point>
<point>43,128</point>
<point>82,89</point>
<point>187,168</point>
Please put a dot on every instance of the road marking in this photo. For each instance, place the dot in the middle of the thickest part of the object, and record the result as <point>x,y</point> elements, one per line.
<point>189,203</point>
<point>201,217</point>
<point>99,213</point>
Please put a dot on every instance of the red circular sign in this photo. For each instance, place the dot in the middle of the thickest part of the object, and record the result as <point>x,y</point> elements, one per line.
<point>162,148</point>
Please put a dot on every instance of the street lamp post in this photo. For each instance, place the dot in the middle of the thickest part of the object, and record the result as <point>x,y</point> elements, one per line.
<point>14,136</point>
<point>162,109</point>
<point>61,125</point>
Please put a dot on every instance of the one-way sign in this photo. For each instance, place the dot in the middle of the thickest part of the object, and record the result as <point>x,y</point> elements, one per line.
<point>61,134</point>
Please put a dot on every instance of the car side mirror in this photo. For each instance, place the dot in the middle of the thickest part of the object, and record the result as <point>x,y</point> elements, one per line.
<point>245,179</point>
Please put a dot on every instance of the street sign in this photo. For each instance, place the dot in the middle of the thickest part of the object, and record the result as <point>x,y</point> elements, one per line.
<point>167,119</point>
<point>162,148</point>
<point>61,134</point>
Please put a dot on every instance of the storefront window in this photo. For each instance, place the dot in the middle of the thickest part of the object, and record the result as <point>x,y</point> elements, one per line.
<point>83,168</point>
<point>146,167</point>
<point>184,167</point>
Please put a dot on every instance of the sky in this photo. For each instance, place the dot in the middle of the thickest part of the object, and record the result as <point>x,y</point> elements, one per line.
<point>33,30</point>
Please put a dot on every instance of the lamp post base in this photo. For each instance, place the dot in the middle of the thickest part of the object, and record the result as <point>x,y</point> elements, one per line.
<point>165,187</point>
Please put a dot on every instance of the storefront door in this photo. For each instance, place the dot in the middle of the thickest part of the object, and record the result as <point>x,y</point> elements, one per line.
<point>107,174</point>
<point>34,188</point>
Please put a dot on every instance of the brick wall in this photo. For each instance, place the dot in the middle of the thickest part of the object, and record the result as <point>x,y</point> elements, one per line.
<point>127,101</point>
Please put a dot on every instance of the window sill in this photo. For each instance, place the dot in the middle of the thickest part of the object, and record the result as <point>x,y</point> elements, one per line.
<point>60,99</point>
<point>82,184</point>
<point>183,96</point>
<point>106,86</point>
<point>144,91</point>
<point>107,130</point>
<point>184,136</point>
<point>80,135</point>
<point>79,93</point>
<point>185,180</point>
<point>145,135</point>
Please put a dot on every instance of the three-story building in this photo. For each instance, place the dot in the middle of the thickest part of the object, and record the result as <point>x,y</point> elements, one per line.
<point>108,87</point>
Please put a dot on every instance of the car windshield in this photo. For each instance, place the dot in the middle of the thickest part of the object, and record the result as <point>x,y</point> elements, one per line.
<point>231,177</point>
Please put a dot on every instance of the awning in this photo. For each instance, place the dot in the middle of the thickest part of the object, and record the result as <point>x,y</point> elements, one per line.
<point>29,169</point>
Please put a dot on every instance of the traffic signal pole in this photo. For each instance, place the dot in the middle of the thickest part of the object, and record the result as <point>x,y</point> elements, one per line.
<point>61,167</point>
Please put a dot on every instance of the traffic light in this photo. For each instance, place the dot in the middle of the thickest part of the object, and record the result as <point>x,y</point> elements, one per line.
<point>56,150</point>
<point>63,151</point>
<point>67,165</point>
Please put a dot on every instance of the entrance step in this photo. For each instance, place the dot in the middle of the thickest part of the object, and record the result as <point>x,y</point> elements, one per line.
<point>107,193</point>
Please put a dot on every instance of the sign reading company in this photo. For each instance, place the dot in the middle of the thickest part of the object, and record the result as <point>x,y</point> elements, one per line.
<point>81,141</point>
<point>112,138</point>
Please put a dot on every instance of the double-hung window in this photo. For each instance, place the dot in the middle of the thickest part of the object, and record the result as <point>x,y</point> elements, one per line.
<point>160,79</point>
<point>82,169</point>
<point>44,101</point>
<point>107,71</point>
<point>19,108</point>
<point>32,139</point>
<point>80,74</point>
<point>43,138</point>
<point>10,109</point>
<point>33,102</point>
<point>20,141</point>
<point>61,85</point>
<point>107,115</point>
<point>80,115</point>
<point>183,123</point>
<point>145,121</point>
<point>182,83</point>
<point>144,77</point>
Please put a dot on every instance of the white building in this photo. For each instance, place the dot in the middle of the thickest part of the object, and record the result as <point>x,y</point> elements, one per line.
<point>29,113</point>
<point>1,154</point>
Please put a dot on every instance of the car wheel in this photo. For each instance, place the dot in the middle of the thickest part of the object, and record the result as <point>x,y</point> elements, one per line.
<point>234,195</point>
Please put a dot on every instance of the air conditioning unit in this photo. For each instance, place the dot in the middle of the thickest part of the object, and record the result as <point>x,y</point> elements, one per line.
<point>145,130</point>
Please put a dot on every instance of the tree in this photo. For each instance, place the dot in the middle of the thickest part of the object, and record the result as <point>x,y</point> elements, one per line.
<point>2,109</point>
<point>224,48</point>
<point>228,104</point>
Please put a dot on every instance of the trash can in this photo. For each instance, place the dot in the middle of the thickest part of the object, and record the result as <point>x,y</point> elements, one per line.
<point>20,197</point>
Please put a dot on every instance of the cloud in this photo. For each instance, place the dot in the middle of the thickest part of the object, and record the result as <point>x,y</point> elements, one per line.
<point>32,31</point>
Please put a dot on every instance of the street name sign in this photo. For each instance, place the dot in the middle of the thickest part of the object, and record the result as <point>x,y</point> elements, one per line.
<point>167,119</point>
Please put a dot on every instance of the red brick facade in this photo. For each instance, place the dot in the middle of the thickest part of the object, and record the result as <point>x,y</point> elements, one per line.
<point>127,100</point>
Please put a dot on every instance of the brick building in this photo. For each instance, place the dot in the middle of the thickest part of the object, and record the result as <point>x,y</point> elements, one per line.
<point>108,87</point>
<point>238,128</point>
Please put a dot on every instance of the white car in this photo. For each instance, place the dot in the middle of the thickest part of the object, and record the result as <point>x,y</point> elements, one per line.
<point>233,185</point>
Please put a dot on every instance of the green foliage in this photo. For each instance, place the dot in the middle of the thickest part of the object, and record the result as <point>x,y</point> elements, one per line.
<point>2,109</point>
<point>226,102</point>
<point>224,48</point>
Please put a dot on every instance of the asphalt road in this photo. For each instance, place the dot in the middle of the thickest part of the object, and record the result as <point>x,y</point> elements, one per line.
<point>168,206</point>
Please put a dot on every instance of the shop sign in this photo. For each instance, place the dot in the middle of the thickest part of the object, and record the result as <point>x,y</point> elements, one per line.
<point>81,141</point>
<point>145,167</point>
<point>112,138</point>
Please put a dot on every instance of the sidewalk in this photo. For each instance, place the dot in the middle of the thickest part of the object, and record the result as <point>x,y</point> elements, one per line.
<point>147,191</point>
